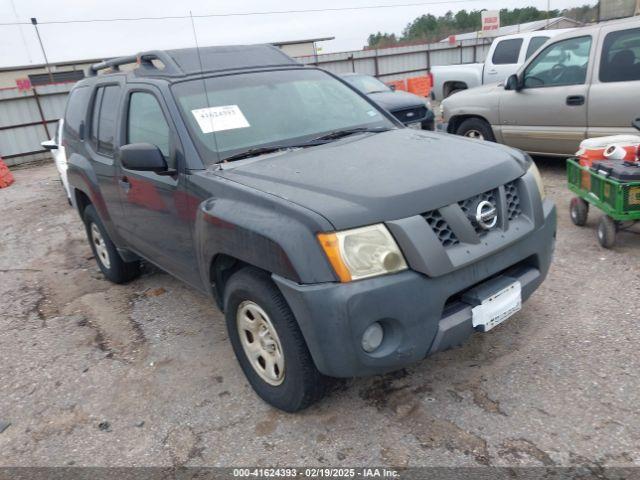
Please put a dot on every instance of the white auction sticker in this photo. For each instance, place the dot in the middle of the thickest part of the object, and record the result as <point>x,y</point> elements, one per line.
<point>217,119</point>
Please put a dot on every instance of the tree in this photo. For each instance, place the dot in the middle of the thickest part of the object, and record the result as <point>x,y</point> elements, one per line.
<point>429,28</point>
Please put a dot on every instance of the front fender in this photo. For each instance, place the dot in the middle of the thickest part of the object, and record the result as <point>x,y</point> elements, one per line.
<point>264,231</point>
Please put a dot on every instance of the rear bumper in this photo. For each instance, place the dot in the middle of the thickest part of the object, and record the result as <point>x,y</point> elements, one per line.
<point>420,314</point>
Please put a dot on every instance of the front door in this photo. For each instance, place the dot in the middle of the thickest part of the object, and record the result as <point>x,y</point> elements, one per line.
<point>155,223</point>
<point>549,114</point>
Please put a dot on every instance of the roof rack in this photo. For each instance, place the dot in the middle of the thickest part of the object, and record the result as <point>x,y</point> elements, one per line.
<point>144,60</point>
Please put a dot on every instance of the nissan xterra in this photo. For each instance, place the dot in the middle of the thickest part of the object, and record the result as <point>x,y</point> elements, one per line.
<point>337,242</point>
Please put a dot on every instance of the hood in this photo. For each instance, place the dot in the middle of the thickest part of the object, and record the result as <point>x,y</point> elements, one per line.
<point>373,178</point>
<point>465,95</point>
<point>398,100</point>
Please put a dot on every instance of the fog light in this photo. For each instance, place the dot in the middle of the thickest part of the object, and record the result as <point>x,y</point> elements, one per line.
<point>372,337</point>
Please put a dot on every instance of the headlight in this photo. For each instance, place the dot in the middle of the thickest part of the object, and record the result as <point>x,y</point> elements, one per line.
<point>536,174</point>
<point>362,252</point>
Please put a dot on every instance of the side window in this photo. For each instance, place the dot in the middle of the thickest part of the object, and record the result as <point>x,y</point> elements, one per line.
<point>561,63</point>
<point>76,111</point>
<point>107,120</point>
<point>620,60</point>
<point>535,44</point>
<point>146,122</point>
<point>97,101</point>
<point>507,52</point>
<point>103,118</point>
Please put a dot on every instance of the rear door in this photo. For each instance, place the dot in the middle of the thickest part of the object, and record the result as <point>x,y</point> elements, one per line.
<point>157,221</point>
<point>549,115</point>
<point>614,98</point>
<point>503,61</point>
<point>103,122</point>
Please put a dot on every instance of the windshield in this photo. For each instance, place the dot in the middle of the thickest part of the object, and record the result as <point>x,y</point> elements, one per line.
<point>366,84</point>
<point>287,107</point>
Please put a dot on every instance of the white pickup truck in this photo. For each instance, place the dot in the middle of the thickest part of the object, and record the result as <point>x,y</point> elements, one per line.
<point>505,56</point>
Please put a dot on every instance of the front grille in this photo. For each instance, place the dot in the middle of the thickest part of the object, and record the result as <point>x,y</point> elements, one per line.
<point>468,207</point>
<point>445,233</point>
<point>513,200</point>
<point>441,228</point>
<point>411,114</point>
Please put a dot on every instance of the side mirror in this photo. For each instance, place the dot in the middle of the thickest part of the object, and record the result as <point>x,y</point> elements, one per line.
<point>636,123</point>
<point>392,87</point>
<point>513,83</point>
<point>49,145</point>
<point>143,157</point>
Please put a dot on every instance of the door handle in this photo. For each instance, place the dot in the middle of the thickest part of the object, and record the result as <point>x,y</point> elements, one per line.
<point>575,100</point>
<point>125,184</point>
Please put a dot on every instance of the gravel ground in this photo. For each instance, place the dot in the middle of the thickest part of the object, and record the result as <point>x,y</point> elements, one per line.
<point>143,374</point>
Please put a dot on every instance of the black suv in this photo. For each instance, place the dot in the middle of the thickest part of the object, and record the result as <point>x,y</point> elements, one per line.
<point>336,241</point>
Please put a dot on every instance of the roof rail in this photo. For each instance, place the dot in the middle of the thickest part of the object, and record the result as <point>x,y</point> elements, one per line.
<point>114,64</point>
<point>144,60</point>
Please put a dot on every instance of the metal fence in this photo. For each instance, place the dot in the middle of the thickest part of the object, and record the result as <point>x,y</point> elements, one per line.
<point>397,63</point>
<point>28,117</point>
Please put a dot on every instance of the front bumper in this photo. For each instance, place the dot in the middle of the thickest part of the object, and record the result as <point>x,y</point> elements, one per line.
<point>420,314</point>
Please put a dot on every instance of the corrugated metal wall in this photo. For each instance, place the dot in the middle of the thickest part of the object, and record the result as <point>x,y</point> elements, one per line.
<point>23,115</point>
<point>396,63</point>
<point>29,117</point>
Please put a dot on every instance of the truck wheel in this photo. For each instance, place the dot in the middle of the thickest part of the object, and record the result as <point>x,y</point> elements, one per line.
<point>268,343</point>
<point>454,91</point>
<point>579,211</point>
<point>105,252</point>
<point>607,229</point>
<point>430,125</point>
<point>477,129</point>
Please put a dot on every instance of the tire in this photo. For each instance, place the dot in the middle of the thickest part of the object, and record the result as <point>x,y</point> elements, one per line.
<point>291,383</point>
<point>430,125</point>
<point>579,211</point>
<point>476,128</point>
<point>606,232</point>
<point>453,92</point>
<point>105,252</point>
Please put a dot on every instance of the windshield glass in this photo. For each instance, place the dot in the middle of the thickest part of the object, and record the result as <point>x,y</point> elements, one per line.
<point>287,107</point>
<point>367,84</point>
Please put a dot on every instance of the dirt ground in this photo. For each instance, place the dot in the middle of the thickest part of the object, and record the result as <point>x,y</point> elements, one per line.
<point>97,374</point>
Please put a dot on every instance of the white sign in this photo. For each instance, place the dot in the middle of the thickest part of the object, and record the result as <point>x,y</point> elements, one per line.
<point>490,23</point>
<point>218,119</point>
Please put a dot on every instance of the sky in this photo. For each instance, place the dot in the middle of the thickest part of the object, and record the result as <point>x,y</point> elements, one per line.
<point>77,41</point>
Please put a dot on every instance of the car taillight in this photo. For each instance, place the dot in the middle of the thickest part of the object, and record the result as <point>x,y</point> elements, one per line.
<point>430,77</point>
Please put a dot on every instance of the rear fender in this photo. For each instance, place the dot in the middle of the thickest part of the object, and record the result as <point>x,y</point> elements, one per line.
<point>82,177</point>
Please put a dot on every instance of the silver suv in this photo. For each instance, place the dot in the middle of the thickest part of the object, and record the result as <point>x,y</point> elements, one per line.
<point>585,83</point>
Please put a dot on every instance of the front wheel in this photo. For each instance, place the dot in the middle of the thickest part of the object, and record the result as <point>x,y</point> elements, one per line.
<point>607,229</point>
<point>269,344</point>
<point>105,252</point>
<point>477,129</point>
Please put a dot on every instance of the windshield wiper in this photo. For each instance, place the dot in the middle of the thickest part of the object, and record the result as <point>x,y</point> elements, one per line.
<point>349,131</point>
<point>254,152</point>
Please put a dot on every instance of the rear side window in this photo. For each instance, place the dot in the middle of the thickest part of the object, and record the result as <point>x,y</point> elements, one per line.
<point>621,56</point>
<point>535,44</point>
<point>76,111</point>
<point>103,119</point>
<point>146,122</point>
<point>507,52</point>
